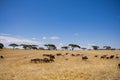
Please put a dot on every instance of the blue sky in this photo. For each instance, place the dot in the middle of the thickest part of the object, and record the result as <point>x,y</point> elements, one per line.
<point>83,22</point>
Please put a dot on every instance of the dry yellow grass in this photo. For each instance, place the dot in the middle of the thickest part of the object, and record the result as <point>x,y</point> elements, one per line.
<point>16,67</point>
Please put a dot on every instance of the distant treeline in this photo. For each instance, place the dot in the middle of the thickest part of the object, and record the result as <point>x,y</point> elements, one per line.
<point>53,47</point>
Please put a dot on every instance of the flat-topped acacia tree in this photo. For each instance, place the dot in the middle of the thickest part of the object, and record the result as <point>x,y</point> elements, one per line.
<point>51,46</point>
<point>13,45</point>
<point>29,46</point>
<point>74,46</point>
<point>25,46</point>
<point>95,47</point>
<point>64,47</point>
<point>34,47</point>
<point>107,47</point>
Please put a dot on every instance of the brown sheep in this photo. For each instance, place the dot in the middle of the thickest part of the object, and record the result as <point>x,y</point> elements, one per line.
<point>107,57</point>
<point>35,60</point>
<point>112,56</point>
<point>66,53</point>
<point>52,56</point>
<point>117,57</point>
<point>52,60</point>
<point>46,60</point>
<point>46,55</point>
<point>103,56</point>
<point>49,55</point>
<point>59,54</point>
<point>73,55</point>
<point>96,56</point>
<point>84,58</point>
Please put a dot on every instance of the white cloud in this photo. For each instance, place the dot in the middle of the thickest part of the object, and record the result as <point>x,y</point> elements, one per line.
<point>44,37</point>
<point>6,39</point>
<point>54,37</point>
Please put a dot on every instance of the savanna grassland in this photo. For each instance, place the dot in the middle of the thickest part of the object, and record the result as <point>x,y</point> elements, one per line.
<point>16,65</point>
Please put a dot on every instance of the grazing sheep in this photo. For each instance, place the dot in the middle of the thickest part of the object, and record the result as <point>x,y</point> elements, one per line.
<point>73,55</point>
<point>59,54</point>
<point>49,55</point>
<point>46,55</point>
<point>52,60</point>
<point>96,56</point>
<point>103,56</point>
<point>35,60</point>
<point>46,60</point>
<point>112,56</point>
<point>52,56</point>
<point>84,58</point>
<point>1,57</point>
<point>107,57</point>
<point>117,57</point>
<point>66,53</point>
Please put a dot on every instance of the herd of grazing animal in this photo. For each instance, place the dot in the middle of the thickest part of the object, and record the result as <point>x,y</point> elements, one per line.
<point>46,60</point>
<point>109,57</point>
<point>51,58</point>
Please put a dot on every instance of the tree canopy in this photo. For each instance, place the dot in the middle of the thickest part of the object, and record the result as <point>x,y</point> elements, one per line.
<point>65,47</point>
<point>1,46</point>
<point>74,46</point>
<point>13,45</point>
<point>107,47</point>
<point>51,46</point>
<point>95,47</point>
<point>29,46</point>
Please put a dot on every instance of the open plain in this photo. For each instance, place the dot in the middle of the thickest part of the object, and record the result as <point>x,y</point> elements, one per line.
<point>17,65</point>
